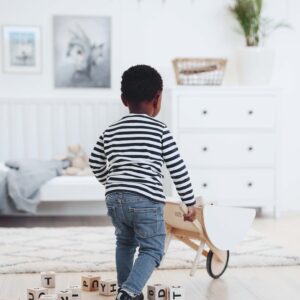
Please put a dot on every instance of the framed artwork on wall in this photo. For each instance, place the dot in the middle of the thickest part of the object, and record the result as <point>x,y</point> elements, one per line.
<point>82,51</point>
<point>21,49</point>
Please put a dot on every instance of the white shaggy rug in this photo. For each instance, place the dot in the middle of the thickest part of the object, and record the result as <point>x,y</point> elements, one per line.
<point>85,249</point>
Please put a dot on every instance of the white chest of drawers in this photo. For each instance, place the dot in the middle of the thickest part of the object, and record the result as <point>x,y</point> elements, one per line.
<point>228,138</point>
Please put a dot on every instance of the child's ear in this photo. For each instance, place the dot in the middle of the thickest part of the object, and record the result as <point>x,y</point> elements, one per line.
<point>156,100</point>
<point>124,101</point>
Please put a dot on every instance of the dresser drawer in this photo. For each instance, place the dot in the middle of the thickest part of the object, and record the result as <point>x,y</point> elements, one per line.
<point>235,186</point>
<point>213,112</point>
<point>200,149</point>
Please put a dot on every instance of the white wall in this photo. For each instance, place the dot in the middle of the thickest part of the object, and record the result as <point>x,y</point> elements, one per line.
<point>154,32</point>
<point>144,31</point>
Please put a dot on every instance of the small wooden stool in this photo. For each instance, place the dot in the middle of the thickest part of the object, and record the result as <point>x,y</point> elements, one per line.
<point>219,228</point>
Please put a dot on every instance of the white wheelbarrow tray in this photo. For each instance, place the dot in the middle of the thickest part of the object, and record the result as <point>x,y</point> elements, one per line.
<point>219,228</point>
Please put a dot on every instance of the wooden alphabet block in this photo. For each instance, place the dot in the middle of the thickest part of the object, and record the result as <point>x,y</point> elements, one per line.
<point>157,292</point>
<point>49,297</point>
<point>36,293</point>
<point>90,283</point>
<point>64,295</point>
<point>176,293</point>
<point>48,279</point>
<point>108,287</point>
<point>76,292</point>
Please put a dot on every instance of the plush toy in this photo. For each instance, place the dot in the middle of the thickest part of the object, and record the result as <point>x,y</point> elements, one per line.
<point>78,161</point>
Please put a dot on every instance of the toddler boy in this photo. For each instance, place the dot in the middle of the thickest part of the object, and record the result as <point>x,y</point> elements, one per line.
<point>128,159</point>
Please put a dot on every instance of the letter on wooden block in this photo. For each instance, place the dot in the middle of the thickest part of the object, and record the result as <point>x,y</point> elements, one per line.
<point>90,282</point>
<point>157,292</point>
<point>176,293</point>
<point>36,293</point>
<point>108,287</point>
<point>75,291</point>
<point>49,297</point>
<point>48,279</point>
<point>64,295</point>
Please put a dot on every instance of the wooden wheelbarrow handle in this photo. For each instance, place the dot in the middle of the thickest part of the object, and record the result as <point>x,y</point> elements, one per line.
<point>196,223</point>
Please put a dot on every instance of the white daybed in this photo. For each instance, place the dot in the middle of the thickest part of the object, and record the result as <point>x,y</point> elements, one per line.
<point>71,195</point>
<point>72,188</point>
<point>41,127</point>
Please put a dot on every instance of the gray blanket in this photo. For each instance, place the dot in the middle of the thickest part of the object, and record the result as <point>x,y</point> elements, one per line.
<point>19,186</point>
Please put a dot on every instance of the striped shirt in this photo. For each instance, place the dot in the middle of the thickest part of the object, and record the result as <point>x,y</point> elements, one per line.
<point>129,156</point>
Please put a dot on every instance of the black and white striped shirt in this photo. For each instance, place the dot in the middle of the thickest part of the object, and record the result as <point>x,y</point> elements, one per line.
<point>129,155</point>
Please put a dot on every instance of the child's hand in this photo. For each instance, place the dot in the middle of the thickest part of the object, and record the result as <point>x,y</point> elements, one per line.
<point>190,215</point>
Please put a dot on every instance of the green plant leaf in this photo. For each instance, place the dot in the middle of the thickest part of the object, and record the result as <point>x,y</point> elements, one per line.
<point>254,27</point>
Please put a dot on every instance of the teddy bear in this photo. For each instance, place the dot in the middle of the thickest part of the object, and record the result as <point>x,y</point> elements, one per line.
<point>78,162</point>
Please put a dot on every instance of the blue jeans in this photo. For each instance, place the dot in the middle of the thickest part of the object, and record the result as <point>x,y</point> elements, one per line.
<point>139,223</point>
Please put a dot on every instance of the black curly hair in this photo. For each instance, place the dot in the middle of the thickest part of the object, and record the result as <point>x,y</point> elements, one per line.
<point>140,83</point>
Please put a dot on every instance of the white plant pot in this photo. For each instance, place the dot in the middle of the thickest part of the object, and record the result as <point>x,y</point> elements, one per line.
<point>255,65</point>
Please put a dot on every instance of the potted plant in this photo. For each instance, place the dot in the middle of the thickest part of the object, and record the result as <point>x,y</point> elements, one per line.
<point>255,62</point>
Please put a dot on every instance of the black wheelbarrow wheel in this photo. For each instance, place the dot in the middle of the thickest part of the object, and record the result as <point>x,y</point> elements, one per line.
<point>214,266</point>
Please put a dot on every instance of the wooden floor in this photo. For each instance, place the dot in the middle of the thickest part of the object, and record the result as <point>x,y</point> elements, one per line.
<point>237,284</point>
<point>274,283</point>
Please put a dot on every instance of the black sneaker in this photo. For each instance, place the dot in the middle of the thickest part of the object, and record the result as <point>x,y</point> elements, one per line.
<point>122,295</point>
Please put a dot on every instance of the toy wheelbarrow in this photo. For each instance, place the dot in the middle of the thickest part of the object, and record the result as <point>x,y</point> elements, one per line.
<point>218,228</point>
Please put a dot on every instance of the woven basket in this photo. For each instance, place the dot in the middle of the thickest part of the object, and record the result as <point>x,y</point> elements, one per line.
<point>199,71</point>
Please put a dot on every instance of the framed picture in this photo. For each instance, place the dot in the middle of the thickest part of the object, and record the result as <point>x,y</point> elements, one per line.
<point>82,51</point>
<point>21,49</point>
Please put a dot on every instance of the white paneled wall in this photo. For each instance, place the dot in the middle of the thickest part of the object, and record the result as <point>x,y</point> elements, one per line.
<point>43,128</point>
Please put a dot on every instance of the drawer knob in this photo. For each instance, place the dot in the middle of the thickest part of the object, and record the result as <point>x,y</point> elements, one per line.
<point>250,112</point>
<point>204,112</point>
<point>204,184</point>
<point>250,184</point>
<point>250,148</point>
<point>204,149</point>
